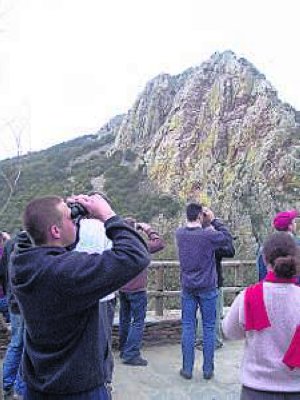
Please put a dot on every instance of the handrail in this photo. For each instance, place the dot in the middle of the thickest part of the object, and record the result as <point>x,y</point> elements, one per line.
<point>159,293</point>
<point>175,263</point>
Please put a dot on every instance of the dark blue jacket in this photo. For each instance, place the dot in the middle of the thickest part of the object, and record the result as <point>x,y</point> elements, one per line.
<point>196,252</point>
<point>261,267</point>
<point>23,241</point>
<point>223,252</point>
<point>58,292</point>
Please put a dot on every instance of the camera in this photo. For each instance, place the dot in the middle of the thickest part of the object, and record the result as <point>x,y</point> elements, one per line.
<point>77,210</point>
<point>138,227</point>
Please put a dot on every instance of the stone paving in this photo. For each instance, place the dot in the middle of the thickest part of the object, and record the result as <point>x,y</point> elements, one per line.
<point>160,380</point>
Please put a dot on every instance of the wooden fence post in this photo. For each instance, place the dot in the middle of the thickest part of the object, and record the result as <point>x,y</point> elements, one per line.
<point>239,274</point>
<point>159,300</point>
<point>159,293</point>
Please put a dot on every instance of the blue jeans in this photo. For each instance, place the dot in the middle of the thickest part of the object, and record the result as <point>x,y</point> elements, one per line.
<point>12,360</point>
<point>100,393</point>
<point>219,316</point>
<point>133,307</point>
<point>206,300</point>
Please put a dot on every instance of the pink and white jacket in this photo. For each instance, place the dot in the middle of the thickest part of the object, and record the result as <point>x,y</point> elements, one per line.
<point>266,348</point>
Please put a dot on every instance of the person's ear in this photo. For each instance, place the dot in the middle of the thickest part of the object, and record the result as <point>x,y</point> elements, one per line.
<point>55,232</point>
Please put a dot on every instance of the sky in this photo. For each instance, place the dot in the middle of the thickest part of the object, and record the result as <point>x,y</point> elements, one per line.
<point>68,66</point>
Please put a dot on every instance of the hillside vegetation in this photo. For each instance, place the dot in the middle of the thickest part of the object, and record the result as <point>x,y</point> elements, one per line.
<point>72,167</point>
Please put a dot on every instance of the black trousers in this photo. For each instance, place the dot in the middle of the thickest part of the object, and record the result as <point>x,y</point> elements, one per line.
<point>252,394</point>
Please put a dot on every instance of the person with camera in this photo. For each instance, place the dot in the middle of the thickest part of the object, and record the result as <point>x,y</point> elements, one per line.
<point>196,250</point>
<point>58,292</point>
<point>227,251</point>
<point>133,303</point>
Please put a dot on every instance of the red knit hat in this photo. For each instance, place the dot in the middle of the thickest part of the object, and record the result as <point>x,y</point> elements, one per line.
<point>283,219</point>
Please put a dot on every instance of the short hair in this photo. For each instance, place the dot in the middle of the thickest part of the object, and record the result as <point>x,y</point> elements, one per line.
<point>281,252</point>
<point>39,215</point>
<point>192,211</point>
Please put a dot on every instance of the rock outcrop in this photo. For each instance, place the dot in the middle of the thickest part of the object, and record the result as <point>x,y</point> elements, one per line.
<point>219,134</point>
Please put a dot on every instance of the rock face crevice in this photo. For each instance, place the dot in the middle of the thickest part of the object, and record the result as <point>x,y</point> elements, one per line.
<point>219,134</point>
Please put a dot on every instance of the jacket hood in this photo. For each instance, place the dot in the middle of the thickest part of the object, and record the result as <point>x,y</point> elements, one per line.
<point>22,242</point>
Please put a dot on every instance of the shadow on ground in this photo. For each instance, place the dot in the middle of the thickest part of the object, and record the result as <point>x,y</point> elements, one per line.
<point>160,380</point>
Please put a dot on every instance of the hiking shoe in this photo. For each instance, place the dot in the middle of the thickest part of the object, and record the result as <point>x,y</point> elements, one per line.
<point>208,375</point>
<point>136,361</point>
<point>184,374</point>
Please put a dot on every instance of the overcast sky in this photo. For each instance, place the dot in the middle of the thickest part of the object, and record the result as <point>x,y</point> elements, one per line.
<point>68,66</point>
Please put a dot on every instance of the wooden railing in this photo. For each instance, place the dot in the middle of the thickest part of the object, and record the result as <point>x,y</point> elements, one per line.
<point>240,279</point>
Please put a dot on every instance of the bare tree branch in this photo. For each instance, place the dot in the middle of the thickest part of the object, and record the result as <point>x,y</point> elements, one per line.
<point>12,177</point>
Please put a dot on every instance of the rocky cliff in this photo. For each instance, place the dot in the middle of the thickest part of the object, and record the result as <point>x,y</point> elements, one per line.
<point>218,133</point>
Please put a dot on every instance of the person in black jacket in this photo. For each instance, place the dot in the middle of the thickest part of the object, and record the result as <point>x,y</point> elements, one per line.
<point>4,237</point>
<point>12,380</point>
<point>58,292</point>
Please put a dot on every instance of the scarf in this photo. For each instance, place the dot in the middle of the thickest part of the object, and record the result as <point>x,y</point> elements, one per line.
<point>256,316</point>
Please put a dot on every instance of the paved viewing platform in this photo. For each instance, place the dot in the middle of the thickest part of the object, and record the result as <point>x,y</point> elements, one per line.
<point>160,380</point>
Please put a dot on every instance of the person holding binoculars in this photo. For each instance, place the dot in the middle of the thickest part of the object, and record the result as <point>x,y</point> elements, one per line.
<point>133,302</point>
<point>59,290</point>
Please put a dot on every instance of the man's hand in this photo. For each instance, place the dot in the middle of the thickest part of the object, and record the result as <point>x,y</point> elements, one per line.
<point>143,226</point>
<point>208,215</point>
<point>6,236</point>
<point>96,206</point>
